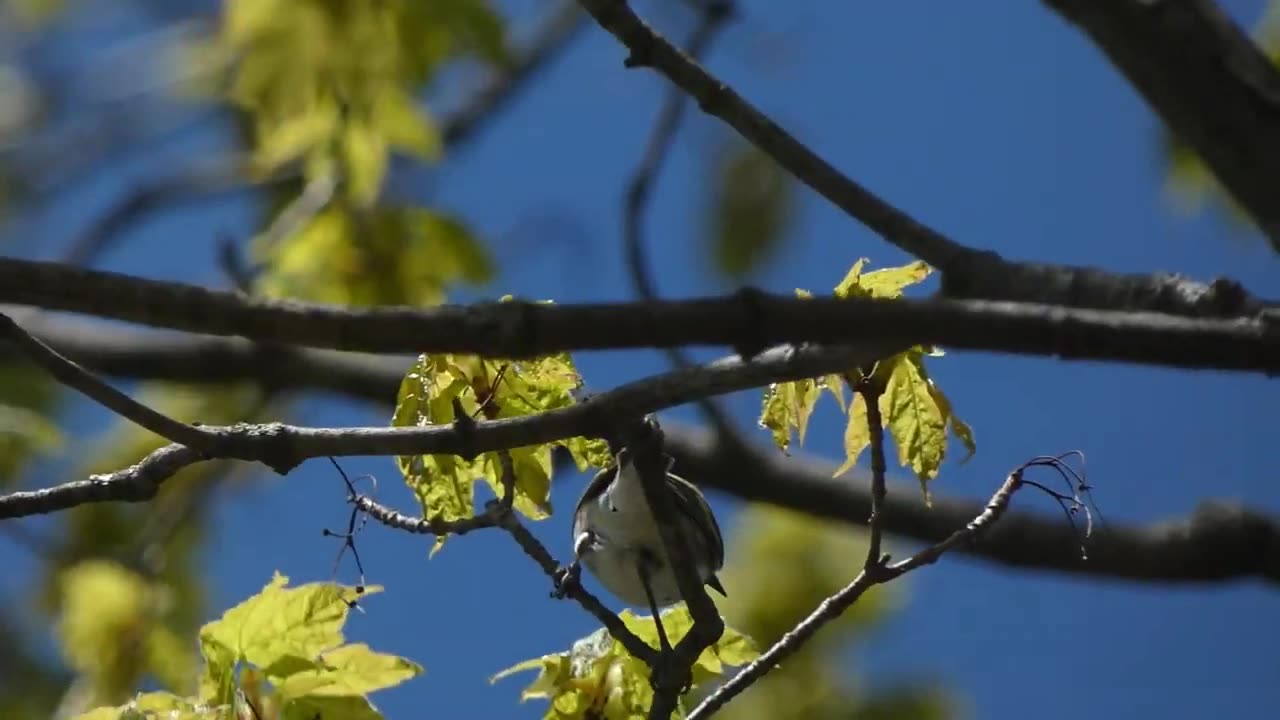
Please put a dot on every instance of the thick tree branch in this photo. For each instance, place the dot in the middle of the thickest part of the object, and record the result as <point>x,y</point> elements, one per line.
<point>283,446</point>
<point>966,272</point>
<point>747,321</point>
<point>1207,80</point>
<point>1220,542</point>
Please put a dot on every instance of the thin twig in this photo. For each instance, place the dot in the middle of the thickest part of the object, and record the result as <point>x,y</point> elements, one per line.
<point>649,49</point>
<point>870,389</point>
<point>498,513</point>
<point>73,376</point>
<point>832,607</point>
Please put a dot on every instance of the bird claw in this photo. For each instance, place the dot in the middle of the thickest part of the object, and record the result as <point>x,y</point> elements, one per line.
<point>664,670</point>
<point>565,579</point>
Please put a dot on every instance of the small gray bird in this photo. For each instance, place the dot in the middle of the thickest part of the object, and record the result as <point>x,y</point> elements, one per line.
<point>616,538</point>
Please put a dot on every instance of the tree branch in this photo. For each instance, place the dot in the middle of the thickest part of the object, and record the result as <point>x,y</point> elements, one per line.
<point>283,446</point>
<point>831,608</point>
<point>672,672</point>
<point>1207,80</point>
<point>73,376</point>
<point>649,49</point>
<point>1221,541</point>
<point>966,272</point>
<point>498,514</point>
<point>747,321</point>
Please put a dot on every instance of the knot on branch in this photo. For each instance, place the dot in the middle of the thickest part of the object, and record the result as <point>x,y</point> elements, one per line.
<point>268,443</point>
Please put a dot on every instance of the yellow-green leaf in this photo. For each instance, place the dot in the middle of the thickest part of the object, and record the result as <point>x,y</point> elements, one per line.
<point>345,707</point>
<point>349,670</point>
<point>492,389</point>
<point>752,203</point>
<point>105,624</point>
<point>598,674</point>
<point>364,154</point>
<point>788,406</point>
<point>851,286</point>
<point>404,125</point>
<point>885,284</point>
<point>147,706</point>
<point>857,434</point>
<point>291,138</point>
<point>959,428</point>
<point>282,622</point>
<point>890,282</point>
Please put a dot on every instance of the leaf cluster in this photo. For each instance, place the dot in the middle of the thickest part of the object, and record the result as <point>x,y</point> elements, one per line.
<point>914,410</point>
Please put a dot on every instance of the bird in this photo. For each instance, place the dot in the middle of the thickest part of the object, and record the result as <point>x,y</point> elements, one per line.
<point>616,537</point>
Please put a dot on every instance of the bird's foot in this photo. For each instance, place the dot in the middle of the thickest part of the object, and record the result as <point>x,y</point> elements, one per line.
<point>565,579</point>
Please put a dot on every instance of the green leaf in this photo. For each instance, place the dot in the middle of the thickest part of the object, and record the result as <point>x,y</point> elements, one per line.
<point>849,286</point>
<point>857,435</point>
<point>888,283</point>
<point>598,675</point>
<point>405,126</point>
<point>349,670</point>
<point>281,622</point>
<point>494,389</point>
<point>378,256</point>
<point>364,155</point>
<point>147,706</point>
<point>788,406</point>
<point>106,612</point>
<point>752,205</point>
<point>918,415</point>
<point>290,139</point>
<point>345,707</point>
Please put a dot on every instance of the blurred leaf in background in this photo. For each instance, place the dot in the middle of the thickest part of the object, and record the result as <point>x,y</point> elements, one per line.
<point>750,207</point>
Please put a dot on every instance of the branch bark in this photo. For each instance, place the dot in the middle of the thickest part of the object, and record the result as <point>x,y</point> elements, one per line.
<point>282,446</point>
<point>1207,80</point>
<point>747,322</point>
<point>1219,542</point>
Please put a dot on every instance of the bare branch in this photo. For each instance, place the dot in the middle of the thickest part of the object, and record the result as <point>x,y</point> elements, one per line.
<point>870,390</point>
<point>966,272</point>
<point>1207,80</point>
<point>283,446</point>
<point>73,376</point>
<point>649,49</point>
<point>832,607</point>
<point>498,514</point>
<point>747,321</point>
<point>1221,541</point>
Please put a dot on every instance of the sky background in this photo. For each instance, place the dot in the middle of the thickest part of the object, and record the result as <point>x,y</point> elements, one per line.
<point>995,122</point>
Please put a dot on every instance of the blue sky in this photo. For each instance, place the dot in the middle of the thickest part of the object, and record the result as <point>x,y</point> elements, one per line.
<point>994,122</point>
